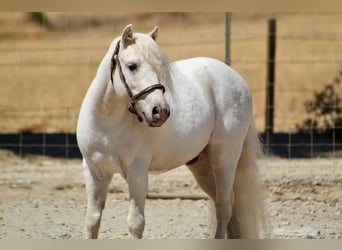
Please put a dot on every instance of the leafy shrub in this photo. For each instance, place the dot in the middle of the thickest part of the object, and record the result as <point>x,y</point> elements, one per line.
<point>324,110</point>
<point>37,17</point>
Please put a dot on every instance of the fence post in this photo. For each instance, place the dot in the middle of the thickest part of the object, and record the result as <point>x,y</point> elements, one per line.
<point>271,53</point>
<point>228,38</point>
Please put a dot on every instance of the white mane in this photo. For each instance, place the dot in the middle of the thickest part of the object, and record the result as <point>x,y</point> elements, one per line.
<point>152,53</point>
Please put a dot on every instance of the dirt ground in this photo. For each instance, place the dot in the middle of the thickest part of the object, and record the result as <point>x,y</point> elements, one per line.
<point>44,198</point>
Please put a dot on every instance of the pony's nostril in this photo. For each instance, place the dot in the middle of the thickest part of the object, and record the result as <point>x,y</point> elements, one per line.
<point>156,110</point>
<point>160,114</point>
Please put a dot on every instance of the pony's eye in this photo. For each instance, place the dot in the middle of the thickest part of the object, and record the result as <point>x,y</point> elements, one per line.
<point>132,66</point>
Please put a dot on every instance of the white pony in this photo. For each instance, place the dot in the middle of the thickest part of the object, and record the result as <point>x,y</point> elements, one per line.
<point>196,112</point>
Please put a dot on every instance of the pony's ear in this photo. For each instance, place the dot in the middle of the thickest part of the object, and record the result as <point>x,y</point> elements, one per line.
<point>154,33</point>
<point>127,36</point>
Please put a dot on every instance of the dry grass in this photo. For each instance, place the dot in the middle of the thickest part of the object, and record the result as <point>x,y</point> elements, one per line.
<point>44,73</point>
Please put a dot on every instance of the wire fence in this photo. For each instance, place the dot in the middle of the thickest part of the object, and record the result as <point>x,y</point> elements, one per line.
<point>45,74</point>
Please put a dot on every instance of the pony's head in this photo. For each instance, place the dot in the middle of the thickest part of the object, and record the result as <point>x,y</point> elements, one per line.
<point>141,72</point>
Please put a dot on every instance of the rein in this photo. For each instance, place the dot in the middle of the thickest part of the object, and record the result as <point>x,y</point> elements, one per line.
<point>134,98</point>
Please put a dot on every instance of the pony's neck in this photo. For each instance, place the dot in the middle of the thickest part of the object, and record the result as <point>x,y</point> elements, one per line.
<point>107,101</point>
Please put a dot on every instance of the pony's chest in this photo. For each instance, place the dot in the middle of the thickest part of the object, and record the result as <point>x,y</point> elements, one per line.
<point>116,145</point>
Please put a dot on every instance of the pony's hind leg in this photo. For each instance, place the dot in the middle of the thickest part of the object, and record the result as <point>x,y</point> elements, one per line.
<point>202,171</point>
<point>215,177</point>
<point>97,186</point>
<point>233,227</point>
<point>224,162</point>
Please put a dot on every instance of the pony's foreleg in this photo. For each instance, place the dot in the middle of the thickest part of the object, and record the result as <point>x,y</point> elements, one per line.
<point>137,179</point>
<point>97,186</point>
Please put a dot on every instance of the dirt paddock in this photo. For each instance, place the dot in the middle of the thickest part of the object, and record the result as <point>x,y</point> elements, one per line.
<point>44,198</point>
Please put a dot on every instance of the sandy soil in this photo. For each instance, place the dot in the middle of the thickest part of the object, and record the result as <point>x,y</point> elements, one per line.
<point>44,198</point>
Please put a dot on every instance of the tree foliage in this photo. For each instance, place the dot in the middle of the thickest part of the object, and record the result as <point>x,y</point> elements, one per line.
<point>37,17</point>
<point>324,110</point>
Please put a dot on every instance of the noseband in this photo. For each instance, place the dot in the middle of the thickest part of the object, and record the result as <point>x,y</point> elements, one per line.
<point>134,98</point>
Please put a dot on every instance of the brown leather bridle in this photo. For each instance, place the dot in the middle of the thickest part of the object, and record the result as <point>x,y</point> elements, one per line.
<point>134,98</point>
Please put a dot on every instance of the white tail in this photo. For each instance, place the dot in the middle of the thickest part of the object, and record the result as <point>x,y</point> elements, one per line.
<point>249,214</point>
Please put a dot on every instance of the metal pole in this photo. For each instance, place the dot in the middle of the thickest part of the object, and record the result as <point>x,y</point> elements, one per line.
<point>270,80</point>
<point>228,38</point>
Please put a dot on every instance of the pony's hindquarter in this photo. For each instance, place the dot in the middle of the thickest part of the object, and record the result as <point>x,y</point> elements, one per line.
<point>248,219</point>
